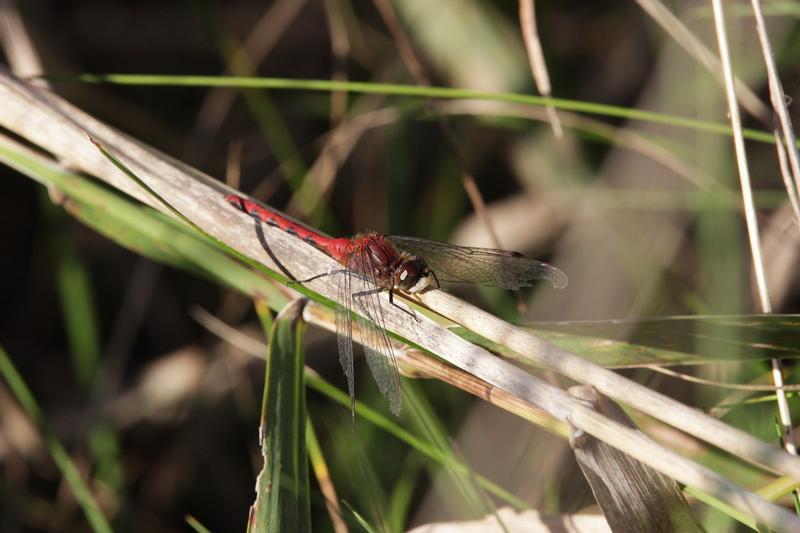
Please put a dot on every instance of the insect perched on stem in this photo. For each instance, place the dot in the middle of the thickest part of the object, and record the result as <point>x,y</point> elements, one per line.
<point>374,263</point>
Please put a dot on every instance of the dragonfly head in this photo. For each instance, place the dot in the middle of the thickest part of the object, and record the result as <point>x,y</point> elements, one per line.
<point>413,276</point>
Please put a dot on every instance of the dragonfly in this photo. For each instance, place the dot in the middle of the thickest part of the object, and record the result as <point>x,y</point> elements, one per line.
<point>373,263</point>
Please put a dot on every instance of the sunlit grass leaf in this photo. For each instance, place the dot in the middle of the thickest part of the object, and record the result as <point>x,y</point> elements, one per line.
<point>358,519</point>
<point>672,340</point>
<point>283,499</point>
<point>724,508</point>
<point>444,93</point>
<point>676,340</point>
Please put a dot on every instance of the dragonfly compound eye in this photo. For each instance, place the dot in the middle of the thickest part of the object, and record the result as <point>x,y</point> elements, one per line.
<point>412,276</point>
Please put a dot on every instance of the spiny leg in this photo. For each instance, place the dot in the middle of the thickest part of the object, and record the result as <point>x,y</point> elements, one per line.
<point>411,312</point>
<point>318,276</point>
<point>362,294</point>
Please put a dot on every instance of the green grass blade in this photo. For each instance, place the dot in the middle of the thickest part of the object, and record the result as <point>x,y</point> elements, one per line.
<point>358,519</point>
<point>72,477</point>
<point>429,450</point>
<point>147,231</point>
<point>323,475</point>
<point>139,181</point>
<point>283,498</point>
<point>75,294</point>
<point>462,492</point>
<point>195,524</point>
<point>443,93</point>
<point>778,488</point>
<point>403,490</point>
<point>722,507</point>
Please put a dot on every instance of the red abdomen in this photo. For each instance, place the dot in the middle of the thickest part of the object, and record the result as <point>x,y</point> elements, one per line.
<point>336,248</point>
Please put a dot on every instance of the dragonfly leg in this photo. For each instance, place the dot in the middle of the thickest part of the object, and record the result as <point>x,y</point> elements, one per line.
<point>409,312</point>
<point>360,295</point>
<point>403,309</point>
<point>324,274</point>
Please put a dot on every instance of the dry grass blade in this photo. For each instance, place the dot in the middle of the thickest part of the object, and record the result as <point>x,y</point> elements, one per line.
<point>415,363</point>
<point>60,128</point>
<point>784,139</point>
<point>632,496</point>
<point>613,385</point>
<point>17,43</point>
<point>719,384</point>
<point>787,175</point>
<point>751,219</point>
<point>694,47</point>
<point>339,143</point>
<point>527,21</point>
<point>506,519</point>
<point>323,475</point>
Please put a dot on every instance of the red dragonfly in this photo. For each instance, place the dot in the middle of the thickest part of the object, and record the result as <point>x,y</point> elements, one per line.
<point>374,263</point>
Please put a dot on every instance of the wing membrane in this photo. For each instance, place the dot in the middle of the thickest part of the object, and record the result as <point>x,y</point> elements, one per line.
<point>484,266</point>
<point>358,289</point>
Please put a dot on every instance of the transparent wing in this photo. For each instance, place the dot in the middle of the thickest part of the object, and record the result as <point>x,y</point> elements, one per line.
<point>484,266</point>
<point>344,333</point>
<point>362,296</point>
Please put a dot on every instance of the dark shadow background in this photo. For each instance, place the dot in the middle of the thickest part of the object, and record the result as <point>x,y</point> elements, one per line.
<point>197,455</point>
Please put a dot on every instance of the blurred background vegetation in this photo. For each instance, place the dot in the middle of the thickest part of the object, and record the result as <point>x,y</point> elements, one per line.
<point>645,217</point>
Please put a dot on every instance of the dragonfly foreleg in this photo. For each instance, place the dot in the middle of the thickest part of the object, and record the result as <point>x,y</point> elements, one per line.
<point>357,299</point>
<point>391,301</point>
<point>409,312</point>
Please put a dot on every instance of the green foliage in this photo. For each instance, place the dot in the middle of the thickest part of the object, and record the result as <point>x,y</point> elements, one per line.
<point>282,499</point>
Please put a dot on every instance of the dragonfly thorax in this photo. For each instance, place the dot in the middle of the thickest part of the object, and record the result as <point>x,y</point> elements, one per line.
<point>388,267</point>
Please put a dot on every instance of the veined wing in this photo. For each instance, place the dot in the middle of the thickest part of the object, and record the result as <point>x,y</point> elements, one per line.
<point>483,266</point>
<point>361,295</point>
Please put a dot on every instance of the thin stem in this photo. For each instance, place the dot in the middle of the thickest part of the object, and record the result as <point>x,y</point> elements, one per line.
<point>533,45</point>
<point>741,160</point>
<point>778,99</point>
<point>750,216</point>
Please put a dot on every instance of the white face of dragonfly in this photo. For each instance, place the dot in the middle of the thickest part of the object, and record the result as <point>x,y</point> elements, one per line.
<point>423,282</point>
<point>413,276</point>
